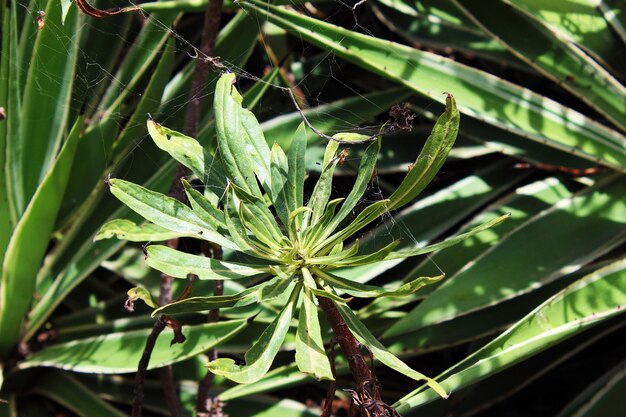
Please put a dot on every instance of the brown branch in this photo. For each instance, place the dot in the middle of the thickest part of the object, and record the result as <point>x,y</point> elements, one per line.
<point>140,376</point>
<point>203,403</point>
<point>89,10</point>
<point>212,19</point>
<point>367,396</point>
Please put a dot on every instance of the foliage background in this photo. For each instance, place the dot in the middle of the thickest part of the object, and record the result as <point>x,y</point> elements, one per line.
<point>538,82</point>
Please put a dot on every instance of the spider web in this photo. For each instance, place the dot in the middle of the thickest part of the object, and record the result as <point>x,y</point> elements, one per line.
<point>337,81</point>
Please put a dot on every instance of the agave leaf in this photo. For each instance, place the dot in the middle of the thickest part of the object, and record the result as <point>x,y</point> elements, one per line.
<point>150,98</point>
<point>166,212</point>
<point>427,26</point>
<point>49,82</point>
<point>145,49</point>
<point>370,291</point>
<point>261,355</point>
<point>128,230</point>
<point>180,264</point>
<point>524,203</point>
<point>591,31</point>
<point>310,355</point>
<point>559,60</point>
<point>381,353</point>
<point>601,397</point>
<point>483,96</point>
<point>65,389</point>
<point>592,300</point>
<point>117,353</point>
<point>564,250</point>
<point>29,241</point>
<point>10,95</point>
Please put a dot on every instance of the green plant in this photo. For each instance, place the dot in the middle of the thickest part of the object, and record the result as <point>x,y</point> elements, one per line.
<point>297,247</point>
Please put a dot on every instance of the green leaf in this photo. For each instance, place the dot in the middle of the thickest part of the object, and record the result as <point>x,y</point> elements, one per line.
<point>428,163</point>
<point>352,137</point>
<point>357,289</point>
<point>280,183</point>
<point>236,154</point>
<point>310,355</point>
<point>117,353</point>
<point>364,177</point>
<point>296,174</point>
<point>10,97</point>
<point>379,255</point>
<point>205,209</point>
<point>259,358</point>
<point>593,299</point>
<point>381,353</point>
<point>187,151</point>
<point>150,100</point>
<point>139,293</point>
<point>448,242</point>
<point>431,158</point>
<point>29,243</point>
<point>166,212</point>
<point>482,96</point>
<point>180,264</point>
<point>195,304</point>
<point>128,230</point>
<point>255,216</point>
<point>323,187</point>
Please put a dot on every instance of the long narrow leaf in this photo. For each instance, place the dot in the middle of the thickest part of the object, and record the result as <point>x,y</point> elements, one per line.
<point>595,298</point>
<point>29,242</point>
<point>260,356</point>
<point>180,264</point>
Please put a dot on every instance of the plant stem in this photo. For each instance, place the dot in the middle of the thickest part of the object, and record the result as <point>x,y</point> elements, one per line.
<point>140,376</point>
<point>212,18</point>
<point>367,395</point>
<point>202,405</point>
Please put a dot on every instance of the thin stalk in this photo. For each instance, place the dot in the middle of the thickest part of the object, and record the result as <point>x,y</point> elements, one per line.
<point>367,397</point>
